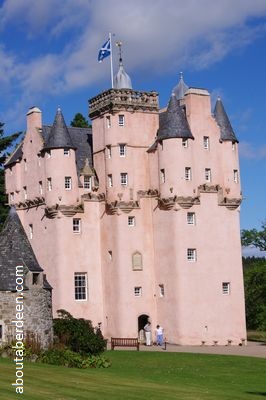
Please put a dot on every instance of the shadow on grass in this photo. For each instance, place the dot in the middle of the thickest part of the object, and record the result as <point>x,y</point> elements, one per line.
<point>258,393</point>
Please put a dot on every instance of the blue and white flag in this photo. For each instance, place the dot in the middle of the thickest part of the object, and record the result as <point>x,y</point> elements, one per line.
<point>105,51</point>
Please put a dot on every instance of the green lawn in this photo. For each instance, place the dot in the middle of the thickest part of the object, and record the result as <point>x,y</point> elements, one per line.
<point>143,375</point>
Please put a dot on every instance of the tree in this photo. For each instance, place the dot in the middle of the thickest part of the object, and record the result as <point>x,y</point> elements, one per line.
<point>79,121</point>
<point>5,143</point>
<point>78,334</point>
<point>255,292</point>
<point>254,237</point>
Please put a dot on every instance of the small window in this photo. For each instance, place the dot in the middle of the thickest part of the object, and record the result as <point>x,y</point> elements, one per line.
<point>25,192</point>
<point>161,290</point>
<point>108,151</point>
<point>226,287</point>
<point>49,184</point>
<point>110,180</point>
<point>40,188</point>
<point>110,254</point>
<point>66,152</point>
<point>138,291</point>
<point>35,277</point>
<point>191,218</point>
<point>207,174</point>
<point>185,143</point>
<point>191,255</point>
<point>76,225</point>
<point>48,153</point>
<point>87,182</point>
<point>236,178</point>
<point>206,142</point>
<point>108,121</point>
<point>25,165</point>
<point>12,197</point>
<point>131,221</point>
<point>162,176</point>
<point>30,231</point>
<point>233,146</point>
<point>121,120</point>
<point>68,183</point>
<point>188,174</point>
<point>122,150</point>
<point>80,282</point>
<point>123,179</point>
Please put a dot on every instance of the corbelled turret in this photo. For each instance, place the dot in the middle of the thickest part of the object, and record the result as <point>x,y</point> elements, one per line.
<point>227,133</point>
<point>59,136</point>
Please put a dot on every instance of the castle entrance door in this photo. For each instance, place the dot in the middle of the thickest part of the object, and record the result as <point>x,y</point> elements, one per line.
<point>142,321</point>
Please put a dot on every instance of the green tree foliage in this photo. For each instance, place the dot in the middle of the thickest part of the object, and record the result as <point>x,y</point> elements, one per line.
<point>78,334</point>
<point>255,292</point>
<point>5,143</point>
<point>255,237</point>
<point>79,121</point>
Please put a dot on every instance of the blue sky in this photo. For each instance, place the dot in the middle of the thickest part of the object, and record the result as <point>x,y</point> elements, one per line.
<point>48,57</point>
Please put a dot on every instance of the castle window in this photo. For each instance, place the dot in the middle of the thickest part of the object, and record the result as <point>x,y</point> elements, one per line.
<point>236,179</point>
<point>80,282</point>
<point>49,184</point>
<point>226,287</point>
<point>48,153</point>
<point>188,174</point>
<point>30,231</point>
<point>68,183</point>
<point>206,142</point>
<point>123,178</point>
<point>191,218</point>
<point>122,150</point>
<point>207,174</point>
<point>233,146</point>
<point>121,120</point>
<point>161,290</point>
<point>131,221</point>
<point>108,121</point>
<point>25,192</point>
<point>137,261</point>
<point>11,197</point>
<point>66,152</point>
<point>25,165</point>
<point>40,188</point>
<point>110,180</point>
<point>76,225</point>
<point>110,253</point>
<point>87,182</point>
<point>138,291</point>
<point>35,277</point>
<point>185,143</point>
<point>108,151</point>
<point>191,255</point>
<point>162,175</point>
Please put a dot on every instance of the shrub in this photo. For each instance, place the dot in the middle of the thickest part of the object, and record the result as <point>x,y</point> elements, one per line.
<point>78,334</point>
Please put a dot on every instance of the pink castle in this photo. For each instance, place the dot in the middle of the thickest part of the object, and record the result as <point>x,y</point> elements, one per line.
<point>137,218</point>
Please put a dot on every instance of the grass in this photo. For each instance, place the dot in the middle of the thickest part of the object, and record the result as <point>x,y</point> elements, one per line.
<point>257,336</point>
<point>143,375</point>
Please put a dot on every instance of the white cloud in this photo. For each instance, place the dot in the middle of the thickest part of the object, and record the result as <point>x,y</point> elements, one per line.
<point>158,35</point>
<point>249,151</point>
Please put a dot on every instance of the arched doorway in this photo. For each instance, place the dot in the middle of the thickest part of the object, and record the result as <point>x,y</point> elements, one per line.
<point>142,321</point>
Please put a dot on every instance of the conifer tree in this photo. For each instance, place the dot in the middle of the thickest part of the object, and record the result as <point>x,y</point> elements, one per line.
<point>79,121</point>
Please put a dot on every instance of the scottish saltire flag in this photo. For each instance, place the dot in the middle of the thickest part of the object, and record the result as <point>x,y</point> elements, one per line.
<point>105,51</point>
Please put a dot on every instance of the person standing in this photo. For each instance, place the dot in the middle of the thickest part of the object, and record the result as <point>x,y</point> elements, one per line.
<point>159,335</point>
<point>147,330</point>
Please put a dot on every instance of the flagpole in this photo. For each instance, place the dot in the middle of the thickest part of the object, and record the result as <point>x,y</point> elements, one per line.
<point>111,60</point>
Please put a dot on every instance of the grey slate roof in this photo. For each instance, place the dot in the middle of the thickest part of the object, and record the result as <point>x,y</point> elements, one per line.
<point>59,137</point>
<point>16,156</point>
<point>173,122</point>
<point>227,133</point>
<point>180,89</point>
<point>15,249</point>
<point>122,79</point>
<point>82,142</point>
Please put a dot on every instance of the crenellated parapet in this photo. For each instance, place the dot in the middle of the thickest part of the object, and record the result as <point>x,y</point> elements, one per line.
<point>117,206</point>
<point>67,211</point>
<point>114,100</point>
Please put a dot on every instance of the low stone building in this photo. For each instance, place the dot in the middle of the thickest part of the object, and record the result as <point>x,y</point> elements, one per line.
<point>25,294</point>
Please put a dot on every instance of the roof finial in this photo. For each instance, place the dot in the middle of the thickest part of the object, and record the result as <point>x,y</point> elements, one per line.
<point>122,80</point>
<point>119,45</point>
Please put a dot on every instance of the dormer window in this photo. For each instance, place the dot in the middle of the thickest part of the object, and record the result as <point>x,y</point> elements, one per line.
<point>87,182</point>
<point>35,277</point>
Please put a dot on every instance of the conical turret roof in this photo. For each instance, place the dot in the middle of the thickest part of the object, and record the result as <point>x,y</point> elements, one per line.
<point>181,88</point>
<point>15,249</point>
<point>122,79</point>
<point>173,122</point>
<point>227,133</point>
<point>59,136</point>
